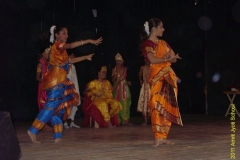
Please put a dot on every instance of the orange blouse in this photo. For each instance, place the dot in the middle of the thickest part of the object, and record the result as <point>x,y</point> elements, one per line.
<point>58,62</point>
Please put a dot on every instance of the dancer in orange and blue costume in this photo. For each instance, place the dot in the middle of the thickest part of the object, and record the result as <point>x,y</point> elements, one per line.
<point>163,81</point>
<point>61,93</point>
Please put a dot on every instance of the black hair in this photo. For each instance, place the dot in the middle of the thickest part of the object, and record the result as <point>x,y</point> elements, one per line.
<point>153,22</point>
<point>57,29</point>
<point>43,38</point>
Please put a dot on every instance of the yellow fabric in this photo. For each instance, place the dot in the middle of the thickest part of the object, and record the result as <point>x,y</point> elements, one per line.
<point>53,77</point>
<point>160,125</point>
<point>162,75</point>
<point>101,94</point>
<point>57,58</point>
<point>159,52</point>
<point>38,124</point>
<point>57,128</point>
<point>104,89</point>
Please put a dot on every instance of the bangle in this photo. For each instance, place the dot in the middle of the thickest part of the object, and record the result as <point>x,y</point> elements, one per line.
<point>82,42</point>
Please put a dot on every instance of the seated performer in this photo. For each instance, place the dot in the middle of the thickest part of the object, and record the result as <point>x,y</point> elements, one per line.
<point>99,102</point>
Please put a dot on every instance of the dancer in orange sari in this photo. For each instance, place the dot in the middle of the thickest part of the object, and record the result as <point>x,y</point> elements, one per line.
<point>163,81</point>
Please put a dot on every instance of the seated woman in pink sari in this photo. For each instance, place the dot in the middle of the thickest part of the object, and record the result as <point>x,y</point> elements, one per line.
<point>41,70</point>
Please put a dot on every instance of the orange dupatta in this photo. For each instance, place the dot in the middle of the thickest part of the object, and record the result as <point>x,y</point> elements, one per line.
<point>163,81</point>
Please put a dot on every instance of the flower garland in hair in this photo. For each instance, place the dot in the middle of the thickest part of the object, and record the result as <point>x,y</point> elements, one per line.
<point>146,27</point>
<point>52,33</point>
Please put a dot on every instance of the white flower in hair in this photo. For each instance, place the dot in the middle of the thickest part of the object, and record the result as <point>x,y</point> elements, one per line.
<point>146,27</point>
<point>52,34</point>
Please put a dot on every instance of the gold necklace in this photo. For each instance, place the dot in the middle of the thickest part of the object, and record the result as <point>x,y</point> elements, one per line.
<point>155,41</point>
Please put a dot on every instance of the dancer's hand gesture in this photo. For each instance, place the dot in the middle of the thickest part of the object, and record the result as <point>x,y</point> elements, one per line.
<point>97,41</point>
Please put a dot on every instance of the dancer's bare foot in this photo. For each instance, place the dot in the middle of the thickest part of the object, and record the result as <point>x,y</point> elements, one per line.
<point>33,137</point>
<point>57,140</point>
<point>164,141</point>
<point>157,142</point>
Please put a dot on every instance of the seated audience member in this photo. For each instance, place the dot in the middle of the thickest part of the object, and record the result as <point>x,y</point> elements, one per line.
<point>99,103</point>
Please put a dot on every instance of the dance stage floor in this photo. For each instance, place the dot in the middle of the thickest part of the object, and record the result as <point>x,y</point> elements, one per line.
<point>201,138</point>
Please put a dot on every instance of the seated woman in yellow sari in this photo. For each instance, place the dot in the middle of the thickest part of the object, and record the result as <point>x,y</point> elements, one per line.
<point>163,81</point>
<point>100,92</point>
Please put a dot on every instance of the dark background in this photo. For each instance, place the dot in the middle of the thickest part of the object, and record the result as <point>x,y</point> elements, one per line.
<point>204,32</point>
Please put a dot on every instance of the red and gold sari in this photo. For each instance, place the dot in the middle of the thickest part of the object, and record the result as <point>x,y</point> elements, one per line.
<point>163,95</point>
<point>42,96</point>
